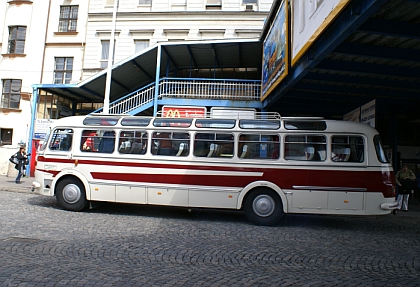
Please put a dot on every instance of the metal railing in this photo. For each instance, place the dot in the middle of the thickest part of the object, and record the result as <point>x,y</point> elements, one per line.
<point>211,89</point>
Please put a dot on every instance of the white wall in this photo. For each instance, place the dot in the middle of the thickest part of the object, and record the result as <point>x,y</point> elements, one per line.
<point>165,22</point>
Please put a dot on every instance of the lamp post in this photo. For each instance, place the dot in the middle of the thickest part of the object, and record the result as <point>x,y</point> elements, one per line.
<point>110,60</point>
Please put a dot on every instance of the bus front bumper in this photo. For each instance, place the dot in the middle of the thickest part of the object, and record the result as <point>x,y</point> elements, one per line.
<point>389,205</point>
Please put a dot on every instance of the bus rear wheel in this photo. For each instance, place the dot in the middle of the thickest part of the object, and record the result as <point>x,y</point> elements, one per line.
<point>71,194</point>
<point>262,206</point>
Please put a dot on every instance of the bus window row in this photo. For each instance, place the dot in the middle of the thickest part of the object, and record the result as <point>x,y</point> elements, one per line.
<point>299,147</point>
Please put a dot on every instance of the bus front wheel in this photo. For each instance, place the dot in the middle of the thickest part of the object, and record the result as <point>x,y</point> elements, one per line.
<point>262,206</point>
<point>71,194</point>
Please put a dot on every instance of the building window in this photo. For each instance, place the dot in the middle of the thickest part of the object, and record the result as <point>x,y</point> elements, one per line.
<point>140,45</point>
<point>249,2</point>
<point>10,97</point>
<point>6,136</point>
<point>214,3</point>
<point>68,18</point>
<point>63,70</point>
<point>17,35</point>
<point>105,53</point>
<point>145,2</point>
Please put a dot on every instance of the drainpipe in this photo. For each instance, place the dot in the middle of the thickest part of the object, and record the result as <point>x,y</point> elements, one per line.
<point>155,108</point>
<point>45,42</point>
<point>84,44</point>
<point>110,58</point>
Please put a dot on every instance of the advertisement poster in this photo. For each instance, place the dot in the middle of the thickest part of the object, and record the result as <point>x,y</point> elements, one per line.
<point>367,114</point>
<point>183,112</point>
<point>309,19</point>
<point>275,56</point>
<point>353,116</point>
<point>42,127</point>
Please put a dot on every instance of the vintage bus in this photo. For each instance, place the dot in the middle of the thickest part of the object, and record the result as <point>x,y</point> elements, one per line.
<point>266,166</point>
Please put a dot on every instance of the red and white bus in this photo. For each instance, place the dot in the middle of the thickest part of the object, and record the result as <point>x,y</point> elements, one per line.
<point>266,166</point>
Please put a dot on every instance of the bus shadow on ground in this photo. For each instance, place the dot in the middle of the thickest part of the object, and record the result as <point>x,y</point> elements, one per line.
<point>221,215</point>
<point>151,211</point>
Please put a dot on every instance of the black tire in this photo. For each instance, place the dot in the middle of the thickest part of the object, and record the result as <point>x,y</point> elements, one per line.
<point>71,194</point>
<point>263,206</point>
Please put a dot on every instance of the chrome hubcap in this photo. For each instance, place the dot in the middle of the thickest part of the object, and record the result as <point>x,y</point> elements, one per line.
<point>263,205</point>
<point>71,193</point>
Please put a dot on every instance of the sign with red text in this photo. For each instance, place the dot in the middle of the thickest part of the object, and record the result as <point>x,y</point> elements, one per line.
<point>183,112</point>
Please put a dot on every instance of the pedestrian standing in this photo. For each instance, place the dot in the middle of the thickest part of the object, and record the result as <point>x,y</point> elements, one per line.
<point>21,165</point>
<point>405,179</point>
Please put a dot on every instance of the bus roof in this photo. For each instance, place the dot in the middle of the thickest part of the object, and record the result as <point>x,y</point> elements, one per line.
<point>288,123</point>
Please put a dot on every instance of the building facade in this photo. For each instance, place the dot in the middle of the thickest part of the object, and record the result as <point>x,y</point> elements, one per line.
<point>67,41</point>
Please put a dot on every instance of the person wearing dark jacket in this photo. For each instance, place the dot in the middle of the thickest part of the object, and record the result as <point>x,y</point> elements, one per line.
<point>405,179</point>
<point>21,166</point>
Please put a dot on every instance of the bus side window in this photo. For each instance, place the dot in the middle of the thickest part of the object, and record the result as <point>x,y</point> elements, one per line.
<point>61,140</point>
<point>88,140</point>
<point>347,148</point>
<point>259,146</point>
<point>107,143</point>
<point>132,142</point>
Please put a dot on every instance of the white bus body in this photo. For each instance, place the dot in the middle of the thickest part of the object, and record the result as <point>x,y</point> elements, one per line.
<point>266,167</point>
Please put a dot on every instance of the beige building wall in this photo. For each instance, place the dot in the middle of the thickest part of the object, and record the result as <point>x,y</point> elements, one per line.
<point>157,21</point>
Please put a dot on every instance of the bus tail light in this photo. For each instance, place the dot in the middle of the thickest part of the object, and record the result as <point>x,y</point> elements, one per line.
<point>394,192</point>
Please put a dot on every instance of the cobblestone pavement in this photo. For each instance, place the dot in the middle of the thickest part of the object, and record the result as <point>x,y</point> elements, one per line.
<point>131,245</point>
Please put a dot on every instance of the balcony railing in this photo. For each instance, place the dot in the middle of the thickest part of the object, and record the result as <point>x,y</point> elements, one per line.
<point>209,89</point>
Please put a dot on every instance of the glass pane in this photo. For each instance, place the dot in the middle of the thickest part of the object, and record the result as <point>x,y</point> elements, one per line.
<point>6,86</point>
<point>68,77</point>
<point>105,50</point>
<point>5,101</point>
<point>20,47</point>
<point>65,12</point>
<point>72,25</point>
<point>59,63</point>
<point>100,121</point>
<point>213,123</point>
<point>11,47</point>
<point>141,45</point>
<point>62,26</point>
<point>295,139</point>
<point>135,122</point>
<point>58,78</point>
<point>21,33</point>
<point>172,122</point>
<point>259,124</point>
<point>69,64</point>
<point>16,86</point>
<point>73,13</point>
<point>305,125</point>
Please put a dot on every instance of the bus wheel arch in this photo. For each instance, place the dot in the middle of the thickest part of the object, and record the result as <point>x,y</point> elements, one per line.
<point>262,184</point>
<point>263,206</point>
<point>71,193</point>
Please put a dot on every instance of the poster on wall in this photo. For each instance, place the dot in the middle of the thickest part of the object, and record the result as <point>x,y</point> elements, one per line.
<point>42,128</point>
<point>309,19</point>
<point>367,113</point>
<point>353,116</point>
<point>275,55</point>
